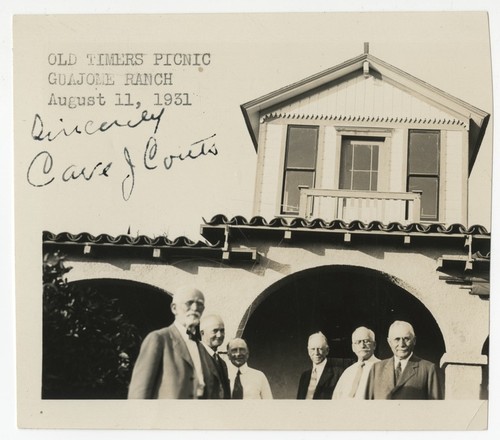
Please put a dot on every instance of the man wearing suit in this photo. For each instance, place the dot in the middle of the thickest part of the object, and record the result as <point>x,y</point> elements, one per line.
<point>318,382</point>
<point>404,376</point>
<point>352,383</point>
<point>170,365</point>
<point>212,336</point>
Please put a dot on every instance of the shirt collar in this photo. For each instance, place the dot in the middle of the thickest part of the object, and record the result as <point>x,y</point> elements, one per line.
<point>371,359</point>
<point>320,367</point>
<point>234,368</point>
<point>182,331</point>
<point>210,350</point>
<point>404,362</point>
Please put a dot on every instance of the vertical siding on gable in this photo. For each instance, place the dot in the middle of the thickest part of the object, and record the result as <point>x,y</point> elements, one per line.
<point>268,193</point>
<point>327,167</point>
<point>397,162</point>
<point>329,162</point>
<point>452,180</point>
<point>368,97</point>
<point>397,97</point>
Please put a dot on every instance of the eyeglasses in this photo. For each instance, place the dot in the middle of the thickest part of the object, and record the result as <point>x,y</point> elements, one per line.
<point>362,341</point>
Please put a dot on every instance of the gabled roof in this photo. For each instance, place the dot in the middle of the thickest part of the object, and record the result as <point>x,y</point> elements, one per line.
<point>478,119</point>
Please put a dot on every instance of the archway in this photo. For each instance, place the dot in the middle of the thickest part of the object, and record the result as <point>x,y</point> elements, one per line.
<point>92,334</point>
<point>145,306</point>
<point>485,371</point>
<point>334,300</point>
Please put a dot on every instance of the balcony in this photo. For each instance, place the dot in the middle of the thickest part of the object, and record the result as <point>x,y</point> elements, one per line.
<point>366,206</point>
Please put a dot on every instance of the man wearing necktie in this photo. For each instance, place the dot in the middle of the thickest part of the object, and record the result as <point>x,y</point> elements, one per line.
<point>318,382</point>
<point>352,383</point>
<point>170,364</point>
<point>246,382</point>
<point>404,376</point>
<point>212,336</point>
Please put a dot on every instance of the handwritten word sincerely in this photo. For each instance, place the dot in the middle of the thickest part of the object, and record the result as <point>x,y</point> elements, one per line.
<point>44,169</point>
<point>38,132</point>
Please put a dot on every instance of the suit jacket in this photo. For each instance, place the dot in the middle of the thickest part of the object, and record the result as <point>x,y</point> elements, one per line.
<point>326,383</point>
<point>164,368</point>
<point>419,380</point>
<point>217,383</point>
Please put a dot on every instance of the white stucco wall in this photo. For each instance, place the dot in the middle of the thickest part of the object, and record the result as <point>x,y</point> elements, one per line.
<point>230,291</point>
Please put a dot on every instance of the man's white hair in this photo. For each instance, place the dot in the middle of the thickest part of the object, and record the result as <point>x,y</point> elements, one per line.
<point>183,291</point>
<point>318,335</point>
<point>371,333</point>
<point>402,324</point>
<point>208,319</point>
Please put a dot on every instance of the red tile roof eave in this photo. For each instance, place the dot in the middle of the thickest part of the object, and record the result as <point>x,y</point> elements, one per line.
<point>347,231</point>
<point>298,223</point>
<point>84,238</point>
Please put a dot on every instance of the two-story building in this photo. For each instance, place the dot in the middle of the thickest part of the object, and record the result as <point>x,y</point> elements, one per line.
<point>360,217</point>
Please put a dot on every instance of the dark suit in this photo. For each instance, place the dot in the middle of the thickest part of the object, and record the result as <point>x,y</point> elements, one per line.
<point>326,384</point>
<point>419,380</point>
<point>164,368</point>
<point>217,383</point>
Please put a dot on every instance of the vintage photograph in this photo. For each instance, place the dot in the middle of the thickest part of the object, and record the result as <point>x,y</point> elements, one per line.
<point>274,207</point>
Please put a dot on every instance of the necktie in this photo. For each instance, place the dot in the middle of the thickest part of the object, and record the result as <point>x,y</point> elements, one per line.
<point>238,388</point>
<point>312,384</point>
<point>218,362</point>
<point>357,378</point>
<point>397,372</point>
<point>192,335</point>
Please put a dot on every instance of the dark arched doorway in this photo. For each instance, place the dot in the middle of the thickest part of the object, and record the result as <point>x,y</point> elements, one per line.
<point>92,334</point>
<point>146,306</point>
<point>485,371</point>
<point>334,300</point>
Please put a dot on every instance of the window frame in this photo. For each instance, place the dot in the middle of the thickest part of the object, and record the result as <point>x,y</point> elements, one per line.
<point>380,141</point>
<point>286,168</point>
<point>436,175</point>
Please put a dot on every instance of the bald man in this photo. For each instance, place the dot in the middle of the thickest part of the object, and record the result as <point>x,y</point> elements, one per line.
<point>169,365</point>
<point>246,382</point>
<point>318,382</point>
<point>212,332</point>
<point>403,376</point>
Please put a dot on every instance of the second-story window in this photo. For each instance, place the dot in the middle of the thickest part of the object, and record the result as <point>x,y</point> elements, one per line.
<point>359,163</point>
<point>423,170</point>
<point>300,165</point>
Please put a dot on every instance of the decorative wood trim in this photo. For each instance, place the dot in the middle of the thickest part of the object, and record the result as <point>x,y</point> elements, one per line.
<point>257,199</point>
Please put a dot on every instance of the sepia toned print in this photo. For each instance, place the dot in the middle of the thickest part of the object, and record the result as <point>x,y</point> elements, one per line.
<point>329,221</point>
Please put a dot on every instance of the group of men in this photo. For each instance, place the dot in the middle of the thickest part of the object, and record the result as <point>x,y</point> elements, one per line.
<point>174,364</point>
<point>402,376</point>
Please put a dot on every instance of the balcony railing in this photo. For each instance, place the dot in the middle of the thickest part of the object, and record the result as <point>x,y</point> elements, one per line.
<point>366,206</point>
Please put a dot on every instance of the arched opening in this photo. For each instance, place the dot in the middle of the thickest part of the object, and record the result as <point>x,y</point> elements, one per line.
<point>92,335</point>
<point>146,306</point>
<point>334,300</point>
<point>485,371</point>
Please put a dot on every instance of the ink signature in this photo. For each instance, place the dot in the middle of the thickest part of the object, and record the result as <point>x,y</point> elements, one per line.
<point>42,171</point>
<point>38,132</point>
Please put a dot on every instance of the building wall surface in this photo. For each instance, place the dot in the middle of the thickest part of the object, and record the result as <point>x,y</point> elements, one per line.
<point>236,291</point>
<point>393,165</point>
<point>370,106</point>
